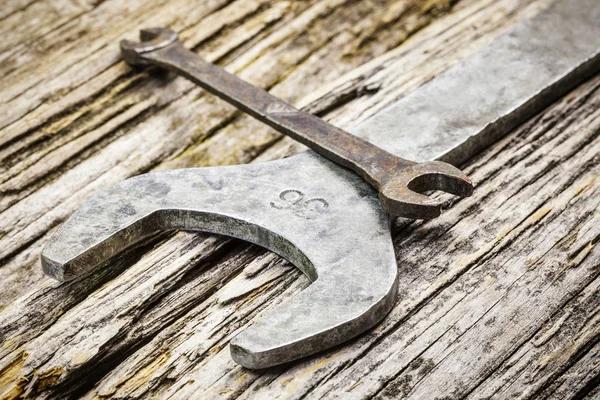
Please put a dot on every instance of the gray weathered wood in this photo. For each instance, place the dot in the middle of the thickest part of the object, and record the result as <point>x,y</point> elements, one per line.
<point>499,298</point>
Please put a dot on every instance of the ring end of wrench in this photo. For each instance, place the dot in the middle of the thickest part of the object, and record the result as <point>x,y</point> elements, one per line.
<point>401,195</point>
<point>151,39</point>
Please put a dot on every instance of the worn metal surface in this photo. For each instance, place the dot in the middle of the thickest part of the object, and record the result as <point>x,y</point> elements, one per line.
<point>399,181</point>
<point>323,218</point>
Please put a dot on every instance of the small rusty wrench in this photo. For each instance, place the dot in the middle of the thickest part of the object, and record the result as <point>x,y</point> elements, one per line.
<point>400,182</point>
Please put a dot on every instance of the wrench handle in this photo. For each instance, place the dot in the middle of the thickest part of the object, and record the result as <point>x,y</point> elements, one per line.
<point>364,158</point>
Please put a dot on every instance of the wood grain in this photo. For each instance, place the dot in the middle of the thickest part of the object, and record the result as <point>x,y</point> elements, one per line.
<point>499,297</point>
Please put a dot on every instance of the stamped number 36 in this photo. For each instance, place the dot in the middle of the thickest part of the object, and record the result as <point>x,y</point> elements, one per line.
<point>294,201</point>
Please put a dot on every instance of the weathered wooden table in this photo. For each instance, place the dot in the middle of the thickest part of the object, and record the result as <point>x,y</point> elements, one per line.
<point>499,297</point>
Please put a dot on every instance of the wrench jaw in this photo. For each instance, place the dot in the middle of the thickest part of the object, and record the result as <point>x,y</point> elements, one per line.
<point>152,39</point>
<point>105,225</point>
<point>350,260</point>
<point>315,319</point>
<point>401,194</point>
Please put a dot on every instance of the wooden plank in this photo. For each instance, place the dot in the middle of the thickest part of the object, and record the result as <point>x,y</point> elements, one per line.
<point>498,297</point>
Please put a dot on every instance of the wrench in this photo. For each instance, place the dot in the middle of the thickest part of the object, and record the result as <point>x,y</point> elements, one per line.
<point>323,218</point>
<point>400,182</point>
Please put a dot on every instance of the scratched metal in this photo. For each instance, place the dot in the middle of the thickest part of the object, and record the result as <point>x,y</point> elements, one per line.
<point>322,217</point>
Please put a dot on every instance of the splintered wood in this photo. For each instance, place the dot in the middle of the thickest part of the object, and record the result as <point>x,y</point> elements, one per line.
<point>499,297</point>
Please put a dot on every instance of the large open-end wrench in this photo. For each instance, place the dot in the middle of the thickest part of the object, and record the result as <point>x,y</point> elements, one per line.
<point>324,218</point>
<point>399,181</point>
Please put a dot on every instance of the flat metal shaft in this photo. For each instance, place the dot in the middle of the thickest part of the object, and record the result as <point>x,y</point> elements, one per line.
<point>320,216</point>
<point>473,104</point>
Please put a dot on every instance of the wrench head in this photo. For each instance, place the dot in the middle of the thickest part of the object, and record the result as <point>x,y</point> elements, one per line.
<point>151,39</point>
<point>401,192</point>
<point>321,217</point>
